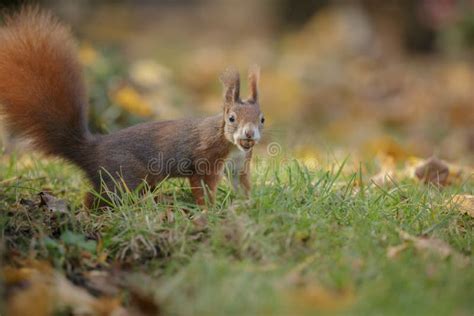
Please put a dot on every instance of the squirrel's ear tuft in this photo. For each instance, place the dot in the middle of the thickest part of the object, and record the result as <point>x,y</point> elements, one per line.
<point>254,76</point>
<point>230,78</point>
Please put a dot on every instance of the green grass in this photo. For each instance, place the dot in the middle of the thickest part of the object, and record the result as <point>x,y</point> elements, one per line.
<point>307,241</point>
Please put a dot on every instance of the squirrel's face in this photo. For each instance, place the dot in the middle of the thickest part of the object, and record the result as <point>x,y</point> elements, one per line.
<point>243,120</point>
<point>244,124</point>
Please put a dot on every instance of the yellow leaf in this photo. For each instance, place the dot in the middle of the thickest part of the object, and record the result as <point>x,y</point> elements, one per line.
<point>464,203</point>
<point>130,100</point>
<point>386,146</point>
<point>313,297</point>
<point>458,174</point>
<point>38,290</point>
<point>87,54</point>
<point>309,156</point>
<point>149,74</point>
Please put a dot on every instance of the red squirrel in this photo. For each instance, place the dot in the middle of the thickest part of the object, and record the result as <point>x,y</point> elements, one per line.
<point>43,97</point>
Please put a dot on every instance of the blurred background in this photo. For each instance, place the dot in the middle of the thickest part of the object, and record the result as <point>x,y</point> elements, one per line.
<point>361,77</point>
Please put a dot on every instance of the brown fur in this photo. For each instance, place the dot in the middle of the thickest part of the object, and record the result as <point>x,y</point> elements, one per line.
<point>43,97</point>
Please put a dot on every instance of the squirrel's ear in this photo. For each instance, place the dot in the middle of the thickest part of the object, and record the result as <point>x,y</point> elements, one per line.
<point>254,76</point>
<point>231,81</point>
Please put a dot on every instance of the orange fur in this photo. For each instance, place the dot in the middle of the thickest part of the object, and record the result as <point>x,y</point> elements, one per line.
<point>41,80</point>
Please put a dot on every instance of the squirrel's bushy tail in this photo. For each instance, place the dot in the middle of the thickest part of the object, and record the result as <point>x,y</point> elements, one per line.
<point>42,92</point>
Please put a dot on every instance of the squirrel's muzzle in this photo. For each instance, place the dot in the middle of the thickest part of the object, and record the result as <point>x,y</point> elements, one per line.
<point>246,143</point>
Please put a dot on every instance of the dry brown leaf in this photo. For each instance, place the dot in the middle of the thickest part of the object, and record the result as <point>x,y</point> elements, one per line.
<point>26,285</point>
<point>458,174</point>
<point>383,178</point>
<point>102,282</point>
<point>52,203</point>
<point>434,246</point>
<point>433,171</point>
<point>200,222</point>
<point>464,203</point>
<point>81,302</point>
<point>386,175</point>
<point>20,304</point>
<point>38,290</point>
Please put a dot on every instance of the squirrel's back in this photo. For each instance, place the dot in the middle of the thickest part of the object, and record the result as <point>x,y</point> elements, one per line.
<point>42,91</point>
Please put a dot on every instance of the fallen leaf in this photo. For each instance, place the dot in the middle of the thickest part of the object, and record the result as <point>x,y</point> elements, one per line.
<point>101,283</point>
<point>431,245</point>
<point>314,297</point>
<point>308,156</point>
<point>383,178</point>
<point>52,203</point>
<point>81,302</point>
<point>200,222</point>
<point>149,74</point>
<point>129,99</point>
<point>464,203</point>
<point>29,287</point>
<point>386,175</point>
<point>37,290</point>
<point>433,171</point>
<point>459,174</point>
<point>27,203</point>
<point>88,55</point>
<point>388,147</point>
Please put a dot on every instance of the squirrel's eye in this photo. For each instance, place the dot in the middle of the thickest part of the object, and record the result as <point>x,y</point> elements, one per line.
<point>262,120</point>
<point>232,119</point>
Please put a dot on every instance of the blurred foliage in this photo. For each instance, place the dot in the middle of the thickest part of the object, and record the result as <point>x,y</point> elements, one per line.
<point>104,73</point>
<point>462,33</point>
<point>333,73</point>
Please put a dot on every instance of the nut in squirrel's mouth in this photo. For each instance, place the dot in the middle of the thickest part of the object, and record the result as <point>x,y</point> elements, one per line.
<point>246,143</point>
